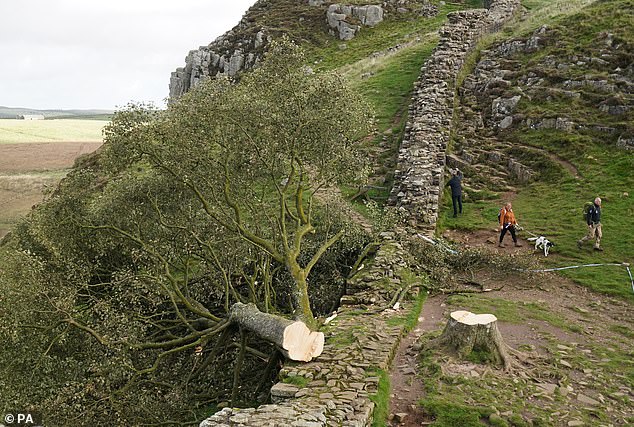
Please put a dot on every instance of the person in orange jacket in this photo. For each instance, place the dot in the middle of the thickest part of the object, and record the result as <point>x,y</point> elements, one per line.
<point>508,223</point>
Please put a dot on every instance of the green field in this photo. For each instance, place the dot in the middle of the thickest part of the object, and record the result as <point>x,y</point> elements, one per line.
<point>25,131</point>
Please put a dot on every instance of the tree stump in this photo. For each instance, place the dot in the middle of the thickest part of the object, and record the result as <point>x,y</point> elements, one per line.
<point>293,338</point>
<point>466,333</point>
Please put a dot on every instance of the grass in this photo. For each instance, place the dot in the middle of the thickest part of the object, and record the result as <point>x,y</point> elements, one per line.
<point>476,214</point>
<point>381,399</point>
<point>394,30</point>
<point>449,414</point>
<point>606,172</point>
<point>509,311</point>
<point>546,11</point>
<point>28,131</point>
<point>552,205</point>
<point>296,380</point>
<point>390,80</point>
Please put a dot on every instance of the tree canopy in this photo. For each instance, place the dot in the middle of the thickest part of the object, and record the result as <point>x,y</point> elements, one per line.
<point>120,285</point>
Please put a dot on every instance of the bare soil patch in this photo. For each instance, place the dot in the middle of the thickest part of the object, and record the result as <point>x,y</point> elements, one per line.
<point>27,170</point>
<point>42,156</point>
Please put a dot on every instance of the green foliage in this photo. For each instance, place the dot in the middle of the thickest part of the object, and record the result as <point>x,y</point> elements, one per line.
<point>444,267</point>
<point>119,286</point>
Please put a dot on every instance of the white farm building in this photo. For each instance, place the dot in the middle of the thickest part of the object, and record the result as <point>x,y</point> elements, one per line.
<point>30,117</point>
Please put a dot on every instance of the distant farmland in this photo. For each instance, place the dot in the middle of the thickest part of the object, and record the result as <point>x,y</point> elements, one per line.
<point>34,156</point>
<point>27,131</point>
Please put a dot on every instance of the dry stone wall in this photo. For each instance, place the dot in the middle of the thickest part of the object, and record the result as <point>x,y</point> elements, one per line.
<point>422,154</point>
<point>335,388</point>
<point>360,340</point>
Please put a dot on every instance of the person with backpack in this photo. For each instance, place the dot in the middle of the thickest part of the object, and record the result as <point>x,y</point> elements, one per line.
<point>593,218</point>
<point>507,223</point>
<point>456,191</point>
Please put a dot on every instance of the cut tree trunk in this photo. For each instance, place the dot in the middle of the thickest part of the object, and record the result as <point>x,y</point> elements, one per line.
<point>293,338</point>
<point>466,333</point>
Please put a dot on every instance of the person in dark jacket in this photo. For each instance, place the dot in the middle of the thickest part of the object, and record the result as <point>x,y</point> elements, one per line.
<point>594,226</point>
<point>456,191</point>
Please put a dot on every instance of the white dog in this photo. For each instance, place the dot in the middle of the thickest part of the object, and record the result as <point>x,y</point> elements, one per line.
<point>542,243</point>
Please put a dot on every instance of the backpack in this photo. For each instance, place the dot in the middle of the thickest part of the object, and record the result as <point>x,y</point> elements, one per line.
<point>500,213</point>
<point>586,210</point>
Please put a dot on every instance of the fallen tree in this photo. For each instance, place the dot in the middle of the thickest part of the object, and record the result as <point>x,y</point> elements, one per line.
<point>132,269</point>
<point>293,338</point>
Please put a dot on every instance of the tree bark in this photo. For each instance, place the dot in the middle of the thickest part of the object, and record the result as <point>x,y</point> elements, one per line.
<point>466,333</point>
<point>293,338</point>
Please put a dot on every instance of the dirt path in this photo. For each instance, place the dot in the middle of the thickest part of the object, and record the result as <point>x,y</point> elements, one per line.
<point>563,162</point>
<point>561,320</point>
<point>406,386</point>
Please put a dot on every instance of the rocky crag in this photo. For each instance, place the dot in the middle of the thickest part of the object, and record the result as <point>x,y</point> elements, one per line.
<point>243,47</point>
<point>496,100</point>
<point>345,20</point>
<point>418,178</point>
<point>238,49</point>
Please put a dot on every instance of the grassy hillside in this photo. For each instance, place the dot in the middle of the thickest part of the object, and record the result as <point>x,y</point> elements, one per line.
<point>25,131</point>
<point>383,63</point>
<point>591,47</point>
<point>570,166</point>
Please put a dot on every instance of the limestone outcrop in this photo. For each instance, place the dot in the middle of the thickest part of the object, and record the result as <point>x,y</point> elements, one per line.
<point>346,20</point>
<point>227,55</point>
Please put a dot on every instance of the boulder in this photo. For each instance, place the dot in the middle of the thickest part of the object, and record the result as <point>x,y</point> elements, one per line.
<point>340,19</point>
<point>505,106</point>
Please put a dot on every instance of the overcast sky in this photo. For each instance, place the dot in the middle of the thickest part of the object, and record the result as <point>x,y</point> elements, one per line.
<point>102,53</point>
